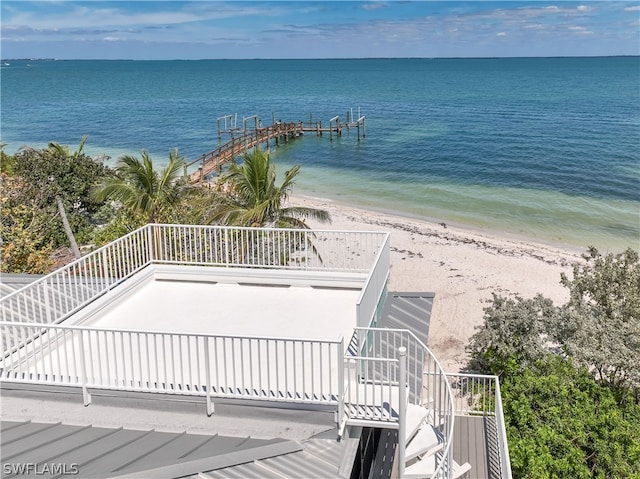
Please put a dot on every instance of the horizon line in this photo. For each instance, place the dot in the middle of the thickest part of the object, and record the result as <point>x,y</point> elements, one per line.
<point>319,58</point>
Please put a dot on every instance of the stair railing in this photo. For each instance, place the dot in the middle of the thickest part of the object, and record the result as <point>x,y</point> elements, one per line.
<point>379,357</point>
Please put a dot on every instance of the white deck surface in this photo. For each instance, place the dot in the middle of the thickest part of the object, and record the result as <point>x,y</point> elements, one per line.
<point>199,347</point>
<point>233,309</point>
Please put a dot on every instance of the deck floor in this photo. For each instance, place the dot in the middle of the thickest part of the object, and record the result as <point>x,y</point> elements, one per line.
<point>472,438</point>
<point>233,309</point>
<point>302,363</point>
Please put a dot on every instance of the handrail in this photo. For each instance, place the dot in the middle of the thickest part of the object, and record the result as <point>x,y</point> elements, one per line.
<point>480,395</point>
<point>58,295</point>
<point>383,342</point>
<point>240,367</point>
<point>61,293</point>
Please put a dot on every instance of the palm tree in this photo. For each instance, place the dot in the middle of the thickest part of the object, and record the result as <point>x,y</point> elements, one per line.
<point>255,199</point>
<point>141,188</point>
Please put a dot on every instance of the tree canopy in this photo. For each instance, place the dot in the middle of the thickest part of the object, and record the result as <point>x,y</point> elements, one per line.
<point>256,200</point>
<point>569,373</point>
<point>600,326</point>
<point>143,189</point>
<point>40,189</point>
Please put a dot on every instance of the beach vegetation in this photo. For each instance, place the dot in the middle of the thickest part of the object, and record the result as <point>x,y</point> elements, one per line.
<point>55,184</point>
<point>561,422</point>
<point>513,327</point>
<point>142,189</point>
<point>570,374</point>
<point>255,199</point>
<point>6,161</point>
<point>600,325</point>
<point>25,245</point>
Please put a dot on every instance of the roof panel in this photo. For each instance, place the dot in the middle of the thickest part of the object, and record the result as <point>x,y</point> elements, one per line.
<point>111,452</point>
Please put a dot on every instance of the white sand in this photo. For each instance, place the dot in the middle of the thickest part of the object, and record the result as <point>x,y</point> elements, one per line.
<point>462,267</point>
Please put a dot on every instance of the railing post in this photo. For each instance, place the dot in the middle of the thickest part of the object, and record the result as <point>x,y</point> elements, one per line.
<point>86,397</point>
<point>505,462</point>
<point>207,372</point>
<point>47,304</point>
<point>150,244</point>
<point>105,268</point>
<point>402,410</point>
<point>306,250</point>
<point>226,247</point>
<point>341,385</point>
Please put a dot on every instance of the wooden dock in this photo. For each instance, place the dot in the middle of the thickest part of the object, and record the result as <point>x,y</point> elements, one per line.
<point>242,140</point>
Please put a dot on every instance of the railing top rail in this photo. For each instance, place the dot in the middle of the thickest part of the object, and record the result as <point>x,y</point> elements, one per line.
<point>98,251</point>
<point>169,333</point>
<point>369,358</point>
<point>249,228</point>
<point>473,375</point>
<point>449,433</point>
<point>73,263</point>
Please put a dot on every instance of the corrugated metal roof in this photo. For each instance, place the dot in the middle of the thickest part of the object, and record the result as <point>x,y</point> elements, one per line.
<point>410,311</point>
<point>320,458</point>
<point>110,452</point>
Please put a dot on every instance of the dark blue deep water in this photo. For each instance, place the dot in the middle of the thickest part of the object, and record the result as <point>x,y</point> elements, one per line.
<point>548,148</point>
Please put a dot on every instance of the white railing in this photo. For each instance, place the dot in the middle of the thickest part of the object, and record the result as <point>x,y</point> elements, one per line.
<point>479,395</point>
<point>56,296</point>
<point>377,371</point>
<point>239,367</point>
<point>273,248</point>
<point>372,296</point>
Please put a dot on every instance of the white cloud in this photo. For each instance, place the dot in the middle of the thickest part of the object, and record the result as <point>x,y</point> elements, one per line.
<point>633,9</point>
<point>580,30</point>
<point>501,34</point>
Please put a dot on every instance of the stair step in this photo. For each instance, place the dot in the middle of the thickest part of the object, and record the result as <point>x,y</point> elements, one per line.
<point>415,417</point>
<point>460,469</point>
<point>372,395</point>
<point>422,469</point>
<point>424,440</point>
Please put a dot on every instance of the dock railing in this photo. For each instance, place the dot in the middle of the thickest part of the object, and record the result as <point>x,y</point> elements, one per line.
<point>479,395</point>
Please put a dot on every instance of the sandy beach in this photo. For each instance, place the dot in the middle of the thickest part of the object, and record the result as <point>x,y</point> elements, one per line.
<point>462,267</point>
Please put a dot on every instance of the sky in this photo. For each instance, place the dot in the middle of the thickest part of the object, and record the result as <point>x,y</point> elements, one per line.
<point>158,30</point>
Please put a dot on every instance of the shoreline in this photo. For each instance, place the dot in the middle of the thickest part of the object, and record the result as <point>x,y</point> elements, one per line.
<point>462,266</point>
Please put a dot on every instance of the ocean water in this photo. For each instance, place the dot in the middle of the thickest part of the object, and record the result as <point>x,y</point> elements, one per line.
<point>544,148</point>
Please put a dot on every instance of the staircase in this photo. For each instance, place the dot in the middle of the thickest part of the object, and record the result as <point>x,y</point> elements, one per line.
<point>425,446</point>
<point>386,369</point>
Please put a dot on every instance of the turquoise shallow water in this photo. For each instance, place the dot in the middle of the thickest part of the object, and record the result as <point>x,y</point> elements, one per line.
<point>544,148</point>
